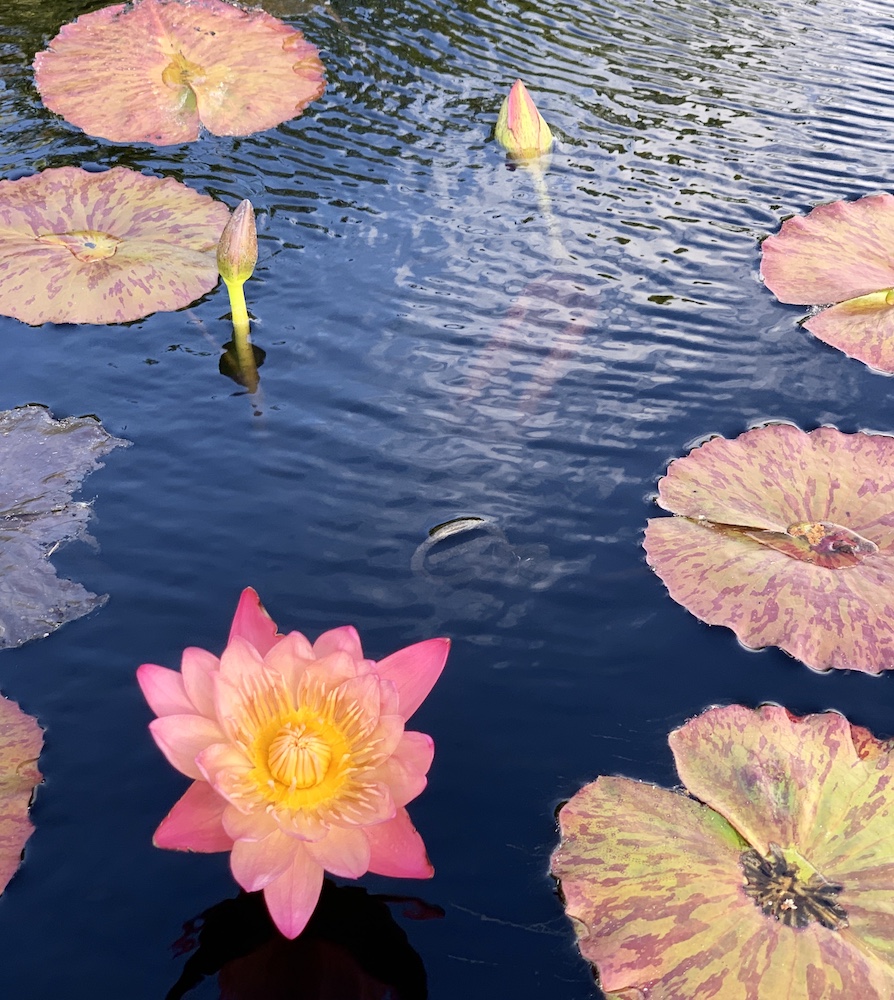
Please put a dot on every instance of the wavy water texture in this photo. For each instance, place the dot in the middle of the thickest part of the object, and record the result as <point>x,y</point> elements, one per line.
<point>442,341</point>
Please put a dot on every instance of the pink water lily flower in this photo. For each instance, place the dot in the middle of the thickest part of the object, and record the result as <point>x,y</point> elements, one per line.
<point>299,755</point>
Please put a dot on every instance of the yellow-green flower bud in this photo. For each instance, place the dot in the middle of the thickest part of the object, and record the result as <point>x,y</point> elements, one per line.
<point>237,251</point>
<point>520,127</point>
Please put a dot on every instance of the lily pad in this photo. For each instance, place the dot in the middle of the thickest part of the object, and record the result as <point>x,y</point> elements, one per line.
<point>21,740</point>
<point>42,462</point>
<point>786,537</point>
<point>772,878</point>
<point>840,253</point>
<point>159,70</point>
<point>84,247</point>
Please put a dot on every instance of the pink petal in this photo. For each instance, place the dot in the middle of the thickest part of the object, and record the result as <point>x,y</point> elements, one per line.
<point>290,657</point>
<point>292,897</point>
<point>181,738</point>
<point>397,849</point>
<point>336,668</point>
<point>194,824</point>
<point>164,690</point>
<point>253,825</point>
<point>389,732</point>
<point>197,667</point>
<point>239,660</point>
<point>343,851</point>
<point>217,760</point>
<point>344,639</point>
<point>416,751</point>
<point>404,772</point>
<point>256,863</point>
<point>252,623</point>
<point>414,670</point>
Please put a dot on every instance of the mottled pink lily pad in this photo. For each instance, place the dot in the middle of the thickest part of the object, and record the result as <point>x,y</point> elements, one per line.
<point>21,740</point>
<point>786,537</point>
<point>82,247</point>
<point>159,70</point>
<point>772,878</point>
<point>840,253</point>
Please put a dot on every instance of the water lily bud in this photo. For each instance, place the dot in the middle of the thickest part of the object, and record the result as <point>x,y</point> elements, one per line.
<point>520,127</point>
<point>237,251</point>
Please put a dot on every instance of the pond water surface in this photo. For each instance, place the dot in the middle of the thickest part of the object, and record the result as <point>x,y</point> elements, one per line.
<point>431,353</point>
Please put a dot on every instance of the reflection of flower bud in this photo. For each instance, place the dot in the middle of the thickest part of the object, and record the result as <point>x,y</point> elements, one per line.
<point>237,251</point>
<point>520,127</point>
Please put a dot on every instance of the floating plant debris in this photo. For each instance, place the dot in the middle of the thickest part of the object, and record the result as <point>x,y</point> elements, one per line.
<point>42,463</point>
<point>786,537</point>
<point>840,253</point>
<point>83,247</point>
<point>771,878</point>
<point>21,740</point>
<point>159,70</point>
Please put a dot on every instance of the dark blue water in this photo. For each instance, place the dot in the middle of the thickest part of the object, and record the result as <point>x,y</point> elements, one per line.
<point>430,354</point>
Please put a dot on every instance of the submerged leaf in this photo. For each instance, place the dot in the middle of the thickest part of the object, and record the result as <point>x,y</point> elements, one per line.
<point>42,462</point>
<point>787,538</point>
<point>84,247</point>
<point>840,253</point>
<point>158,70</point>
<point>771,879</point>
<point>21,740</point>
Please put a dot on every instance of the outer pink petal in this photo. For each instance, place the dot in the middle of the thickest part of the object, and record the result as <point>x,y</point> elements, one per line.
<point>343,851</point>
<point>181,738</point>
<point>252,623</point>
<point>344,639</point>
<point>164,690</point>
<point>396,849</point>
<point>256,863</point>
<point>414,670</point>
<point>194,824</point>
<point>197,667</point>
<point>292,897</point>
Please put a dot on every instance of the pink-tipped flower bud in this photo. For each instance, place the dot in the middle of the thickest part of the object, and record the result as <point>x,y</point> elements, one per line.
<point>520,127</point>
<point>237,251</point>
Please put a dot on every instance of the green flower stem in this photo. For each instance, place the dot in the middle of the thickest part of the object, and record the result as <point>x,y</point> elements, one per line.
<point>237,308</point>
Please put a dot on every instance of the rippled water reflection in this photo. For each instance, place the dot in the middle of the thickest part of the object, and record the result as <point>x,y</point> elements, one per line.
<point>432,353</point>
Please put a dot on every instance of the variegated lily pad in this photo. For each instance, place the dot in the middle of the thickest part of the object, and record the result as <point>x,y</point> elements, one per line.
<point>159,70</point>
<point>840,253</point>
<point>786,537</point>
<point>42,463</point>
<point>84,247</point>
<point>772,878</point>
<point>21,740</point>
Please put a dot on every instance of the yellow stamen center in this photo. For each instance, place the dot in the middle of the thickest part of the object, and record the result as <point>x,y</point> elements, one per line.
<point>298,758</point>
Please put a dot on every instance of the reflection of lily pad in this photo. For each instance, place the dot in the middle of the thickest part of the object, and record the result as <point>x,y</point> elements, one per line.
<point>772,879</point>
<point>20,742</point>
<point>787,538</point>
<point>42,463</point>
<point>157,70</point>
<point>840,253</point>
<point>83,247</point>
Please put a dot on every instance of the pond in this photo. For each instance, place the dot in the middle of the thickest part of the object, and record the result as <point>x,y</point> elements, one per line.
<point>436,348</point>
